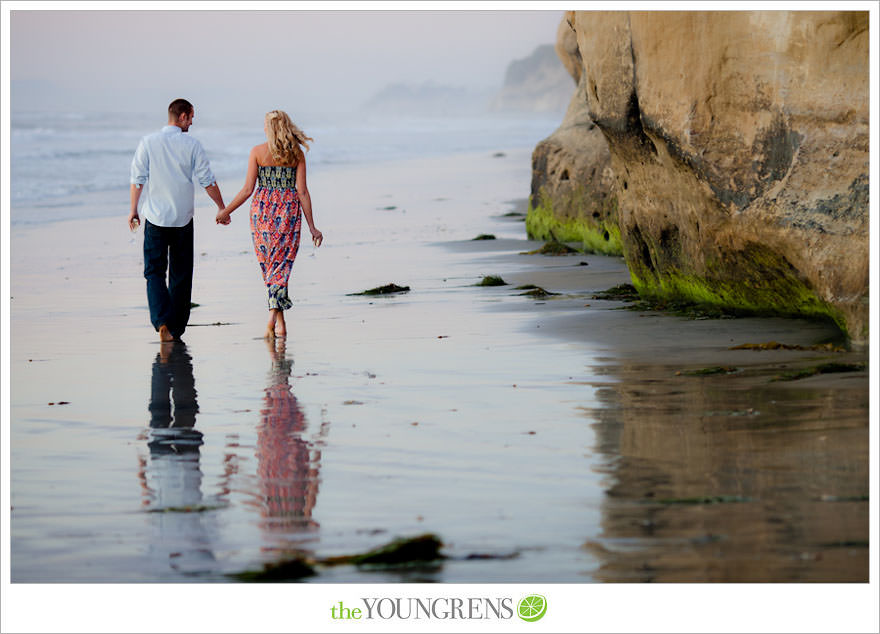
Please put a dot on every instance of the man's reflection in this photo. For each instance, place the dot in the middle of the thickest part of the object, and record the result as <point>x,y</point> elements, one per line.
<point>173,405</point>
<point>172,478</point>
<point>287,471</point>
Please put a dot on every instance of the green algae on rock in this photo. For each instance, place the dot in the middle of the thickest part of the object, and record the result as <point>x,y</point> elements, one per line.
<point>681,308</point>
<point>752,280</point>
<point>598,232</point>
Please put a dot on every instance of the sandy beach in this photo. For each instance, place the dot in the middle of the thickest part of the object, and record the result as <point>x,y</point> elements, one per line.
<point>563,439</point>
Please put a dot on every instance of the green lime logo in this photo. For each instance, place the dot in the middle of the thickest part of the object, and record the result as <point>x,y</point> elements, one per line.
<point>532,608</point>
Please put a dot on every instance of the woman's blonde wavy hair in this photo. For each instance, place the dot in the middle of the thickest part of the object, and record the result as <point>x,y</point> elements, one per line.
<point>286,140</point>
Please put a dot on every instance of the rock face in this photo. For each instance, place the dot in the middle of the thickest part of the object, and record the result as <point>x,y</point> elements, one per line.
<point>573,197</point>
<point>534,84</point>
<point>738,143</point>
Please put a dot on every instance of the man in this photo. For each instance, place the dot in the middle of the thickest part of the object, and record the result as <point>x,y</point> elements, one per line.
<point>168,163</point>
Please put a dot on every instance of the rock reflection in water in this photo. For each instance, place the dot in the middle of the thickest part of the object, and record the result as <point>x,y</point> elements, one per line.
<point>287,463</point>
<point>732,479</point>
<point>171,478</point>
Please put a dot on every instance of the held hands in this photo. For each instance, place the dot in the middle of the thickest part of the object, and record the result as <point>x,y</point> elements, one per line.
<point>223,216</point>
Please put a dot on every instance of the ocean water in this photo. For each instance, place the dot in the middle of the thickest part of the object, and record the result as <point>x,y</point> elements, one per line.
<point>58,158</point>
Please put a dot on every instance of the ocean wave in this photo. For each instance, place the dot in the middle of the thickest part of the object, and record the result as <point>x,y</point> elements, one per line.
<point>65,154</point>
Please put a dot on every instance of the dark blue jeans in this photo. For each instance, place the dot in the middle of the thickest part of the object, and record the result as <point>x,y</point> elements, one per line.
<point>169,250</point>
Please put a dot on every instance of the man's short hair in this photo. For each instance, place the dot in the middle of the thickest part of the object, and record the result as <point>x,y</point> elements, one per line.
<point>179,107</point>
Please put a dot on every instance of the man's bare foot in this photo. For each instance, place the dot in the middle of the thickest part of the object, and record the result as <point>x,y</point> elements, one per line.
<point>165,349</point>
<point>165,334</point>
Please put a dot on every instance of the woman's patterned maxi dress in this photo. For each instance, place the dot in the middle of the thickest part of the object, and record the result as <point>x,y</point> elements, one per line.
<point>276,217</point>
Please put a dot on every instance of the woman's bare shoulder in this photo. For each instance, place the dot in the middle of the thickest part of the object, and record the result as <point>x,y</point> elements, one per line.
<point>265,159</point>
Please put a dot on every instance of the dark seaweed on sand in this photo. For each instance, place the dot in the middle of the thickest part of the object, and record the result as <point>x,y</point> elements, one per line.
<point>824,368</point>
<point>552,247</point>
<point>401,552</point>
<point>492,280</point>
<point>383,290</point>
<point>537,292</point>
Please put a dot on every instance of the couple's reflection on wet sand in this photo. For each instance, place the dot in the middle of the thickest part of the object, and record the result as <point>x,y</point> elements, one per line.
<point>285,489</point>
<point>287,463</point>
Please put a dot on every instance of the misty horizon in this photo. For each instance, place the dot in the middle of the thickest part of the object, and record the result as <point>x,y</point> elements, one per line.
<point>93,61</point>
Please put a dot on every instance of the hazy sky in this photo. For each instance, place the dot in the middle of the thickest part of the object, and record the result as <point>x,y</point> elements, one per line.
<point>224,60</point>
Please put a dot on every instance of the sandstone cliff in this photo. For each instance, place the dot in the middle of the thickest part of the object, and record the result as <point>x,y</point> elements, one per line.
<point>573,197</point>
<point>738,152</point>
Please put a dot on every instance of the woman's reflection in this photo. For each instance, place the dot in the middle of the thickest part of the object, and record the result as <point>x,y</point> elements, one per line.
<point>172,478</point>
<point>287,469</point>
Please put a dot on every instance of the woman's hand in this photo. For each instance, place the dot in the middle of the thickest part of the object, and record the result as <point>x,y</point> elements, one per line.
<point>223,217</point>
<point>317,237</point>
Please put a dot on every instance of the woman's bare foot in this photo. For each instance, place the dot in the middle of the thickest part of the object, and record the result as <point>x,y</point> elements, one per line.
<point>271,328</point>
<point>280,325</point>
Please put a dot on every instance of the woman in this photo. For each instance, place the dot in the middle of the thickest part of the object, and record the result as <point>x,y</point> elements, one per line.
<point>278,169</point>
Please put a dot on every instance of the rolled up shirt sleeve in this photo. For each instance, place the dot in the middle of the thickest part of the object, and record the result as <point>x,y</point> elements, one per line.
<point>201,167</point>
<point>140,165</point>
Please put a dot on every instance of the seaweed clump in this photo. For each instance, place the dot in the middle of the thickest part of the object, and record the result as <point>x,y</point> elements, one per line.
<point>824,368</point>
<point>775,345</point>
<point>621,292</point>
<point>491,280</point>
<point>535,291</point>
<point>405,551</point>
<point>286,570</point>
<point>709,371</point>
<point>401,551</point>
<point>388,289</point>
<point>552,247</point>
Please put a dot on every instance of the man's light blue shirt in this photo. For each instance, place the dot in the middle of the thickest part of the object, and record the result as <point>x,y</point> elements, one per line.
<point>169,162</point>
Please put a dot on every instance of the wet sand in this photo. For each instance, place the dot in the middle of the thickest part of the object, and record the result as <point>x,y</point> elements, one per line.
<point>557,440</point>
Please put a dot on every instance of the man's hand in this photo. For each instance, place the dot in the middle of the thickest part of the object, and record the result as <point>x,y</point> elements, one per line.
<point>133,219</point>
<point>223,217</point>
